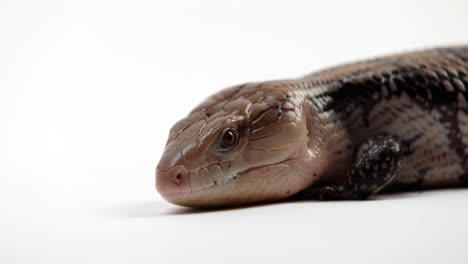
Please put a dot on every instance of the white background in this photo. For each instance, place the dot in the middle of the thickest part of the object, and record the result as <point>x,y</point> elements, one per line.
<point>89,90</point>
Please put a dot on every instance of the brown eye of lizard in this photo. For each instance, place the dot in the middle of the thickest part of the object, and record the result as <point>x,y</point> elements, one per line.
<point>228,140</point>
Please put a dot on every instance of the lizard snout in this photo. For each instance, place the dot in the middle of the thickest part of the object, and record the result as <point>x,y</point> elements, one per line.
<point>172,181</point>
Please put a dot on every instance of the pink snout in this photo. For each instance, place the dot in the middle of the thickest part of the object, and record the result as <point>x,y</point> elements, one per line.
<point>173,181</point>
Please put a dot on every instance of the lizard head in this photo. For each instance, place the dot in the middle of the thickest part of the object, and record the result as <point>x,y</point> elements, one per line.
<point>245,144</point>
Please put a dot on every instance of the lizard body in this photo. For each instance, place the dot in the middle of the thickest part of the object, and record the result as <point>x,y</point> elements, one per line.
<point>346,132</point>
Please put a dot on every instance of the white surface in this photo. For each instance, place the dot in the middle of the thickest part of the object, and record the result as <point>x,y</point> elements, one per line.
<point>89,89</point>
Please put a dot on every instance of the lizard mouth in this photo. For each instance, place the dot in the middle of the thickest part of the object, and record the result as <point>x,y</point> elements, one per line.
<point>184,192</point>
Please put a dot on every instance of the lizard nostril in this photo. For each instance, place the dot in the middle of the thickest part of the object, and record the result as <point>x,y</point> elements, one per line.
<point>177,174</point>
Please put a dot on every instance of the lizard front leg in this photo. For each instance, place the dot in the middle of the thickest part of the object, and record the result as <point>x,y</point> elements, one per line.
<point>376,165</point>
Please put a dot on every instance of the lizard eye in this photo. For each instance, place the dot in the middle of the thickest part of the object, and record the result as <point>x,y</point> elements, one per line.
<point>228,139</point>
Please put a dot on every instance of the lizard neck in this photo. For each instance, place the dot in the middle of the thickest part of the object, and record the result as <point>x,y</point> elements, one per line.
<point>329,139</point>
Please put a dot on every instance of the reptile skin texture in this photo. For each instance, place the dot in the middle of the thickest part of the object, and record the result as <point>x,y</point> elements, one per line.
<point>419,98</point>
